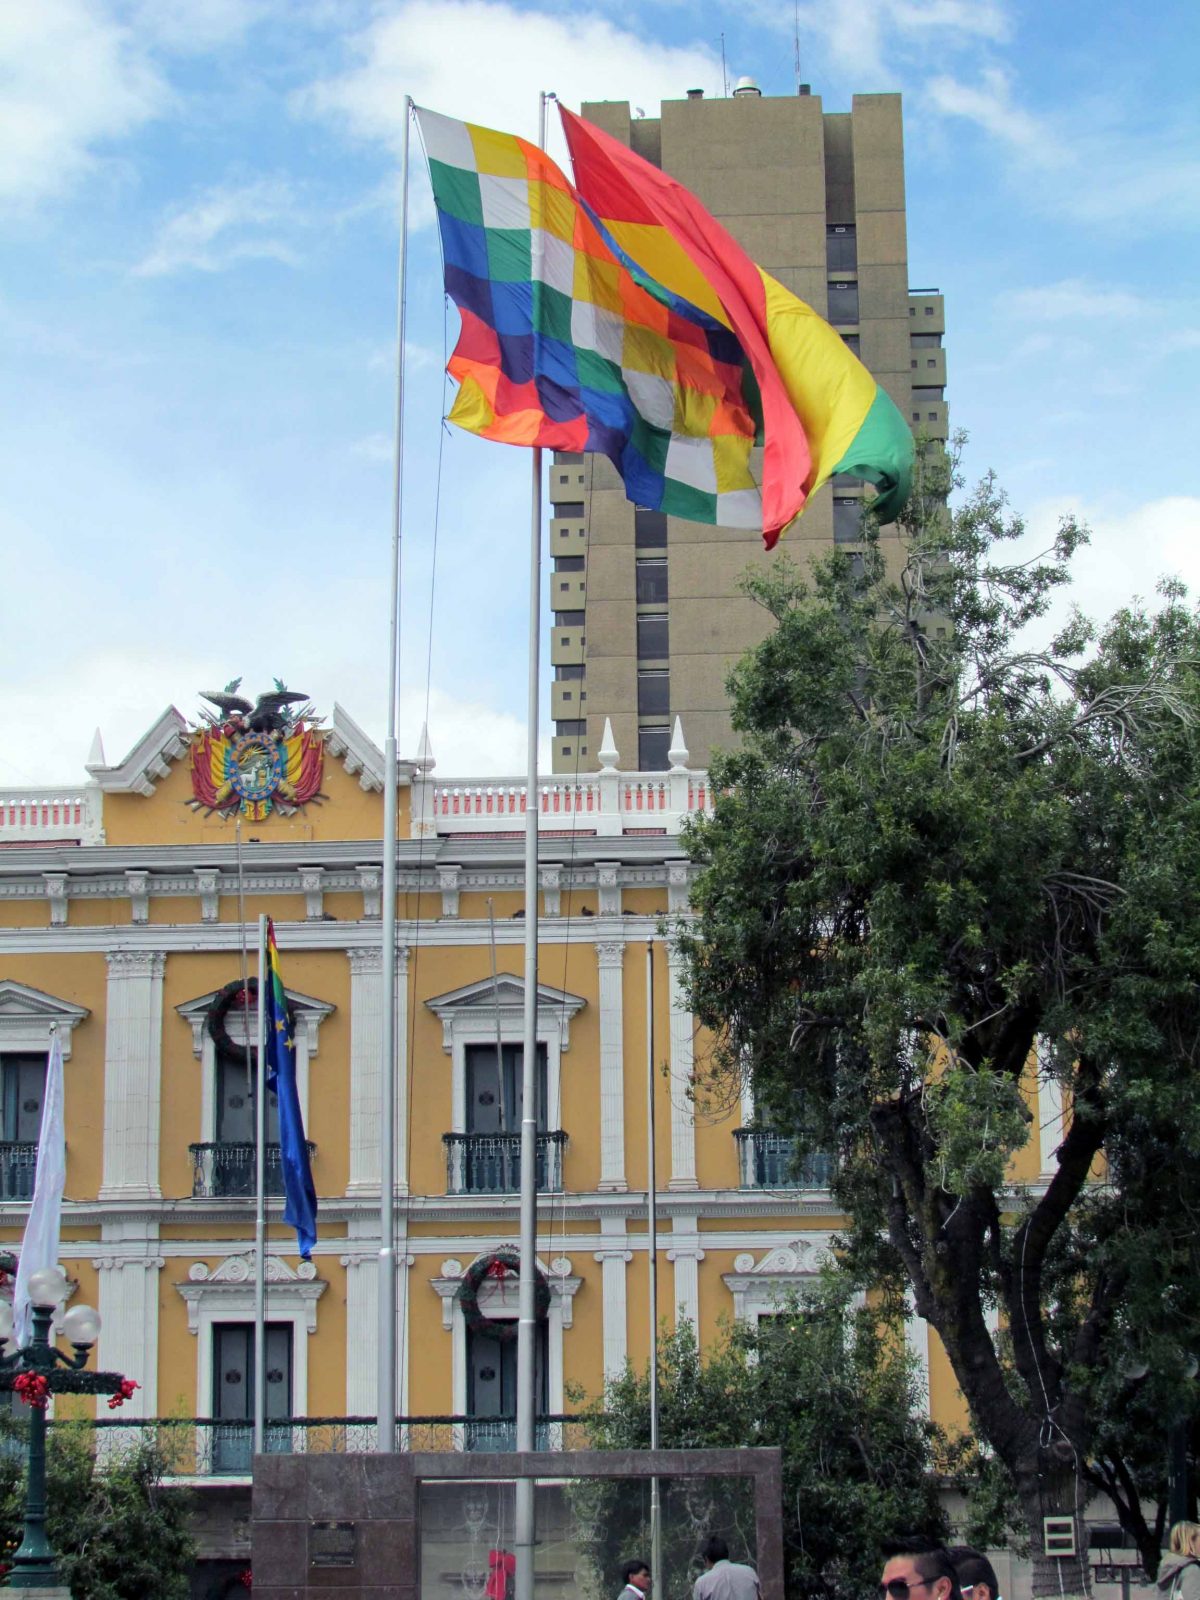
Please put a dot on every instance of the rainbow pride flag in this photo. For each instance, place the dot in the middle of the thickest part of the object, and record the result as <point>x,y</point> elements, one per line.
<point>566,342</point>
<point>822,410</point>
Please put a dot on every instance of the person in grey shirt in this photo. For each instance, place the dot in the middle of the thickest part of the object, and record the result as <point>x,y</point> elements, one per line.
<point>723,1579</point>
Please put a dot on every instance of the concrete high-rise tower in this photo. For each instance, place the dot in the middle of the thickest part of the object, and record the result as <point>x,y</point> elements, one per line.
<point>647,615</point>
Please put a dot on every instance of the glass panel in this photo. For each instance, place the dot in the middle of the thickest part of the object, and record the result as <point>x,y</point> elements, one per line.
<point>586,1527</point>
<point>649,527</point>
<point>843,303</point>
<point>652,642</point>
<point>841,248</point>
<point>847,519</point>
<point>654,693</point>
<point>651,581</point>
<point>653,744</point>
<point>568,508</point>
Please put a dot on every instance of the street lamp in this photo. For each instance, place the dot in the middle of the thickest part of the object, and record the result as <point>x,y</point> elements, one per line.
<point>37,1371</point>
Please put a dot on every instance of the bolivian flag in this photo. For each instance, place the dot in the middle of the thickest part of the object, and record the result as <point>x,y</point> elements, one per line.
<point>822,411</point>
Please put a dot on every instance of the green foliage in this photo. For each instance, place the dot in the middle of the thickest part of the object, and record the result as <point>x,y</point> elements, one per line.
<point>118,1533</point>
<point>942,860</point>
<point>837,1391</point>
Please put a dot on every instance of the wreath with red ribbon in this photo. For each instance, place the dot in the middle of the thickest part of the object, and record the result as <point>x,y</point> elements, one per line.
<point>500,1264</point>
<point>230,999</point>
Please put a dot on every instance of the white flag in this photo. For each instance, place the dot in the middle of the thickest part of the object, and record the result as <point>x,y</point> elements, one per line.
<point>39,1248</point>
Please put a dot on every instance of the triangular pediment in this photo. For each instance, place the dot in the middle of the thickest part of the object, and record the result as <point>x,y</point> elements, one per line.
<point>27,1016</point>
<point>310,1014</point>
<point>505,991</point>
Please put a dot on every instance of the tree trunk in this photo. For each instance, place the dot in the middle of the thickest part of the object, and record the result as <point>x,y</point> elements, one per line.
<point>1048,1489</point>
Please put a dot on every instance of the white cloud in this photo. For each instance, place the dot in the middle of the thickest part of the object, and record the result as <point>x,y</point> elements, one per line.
<point>1130,551</point>
<point>1073,298</point>
<point>868,37</point>
<point>420,48</point>
<point>989,104</point>
<point>222,226</point>
<point>195,26</point>
<point>73,81</point>
<point>49,721</point>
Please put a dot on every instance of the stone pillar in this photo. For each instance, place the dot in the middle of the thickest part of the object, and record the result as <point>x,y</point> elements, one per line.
<point>611,959</point>
<point>132,1075</point>
<point>128,1279</point>
<point>916,1336</point>
<point>683,1126</point>
<point>686,1255</point>
<point>362,1330</point>
<point>366,1064</point>
<point>614,1259</point>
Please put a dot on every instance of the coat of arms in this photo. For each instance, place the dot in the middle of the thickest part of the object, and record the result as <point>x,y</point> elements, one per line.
<point>250,760</point>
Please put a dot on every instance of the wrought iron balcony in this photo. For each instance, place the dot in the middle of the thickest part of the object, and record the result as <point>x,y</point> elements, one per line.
<point>490,1163</point>
<point>18,1162</point>
<point>769,1161</point>
<point>226,1171</point>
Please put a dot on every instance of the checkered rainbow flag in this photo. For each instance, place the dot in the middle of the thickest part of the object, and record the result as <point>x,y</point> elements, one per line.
<point>566,343</point>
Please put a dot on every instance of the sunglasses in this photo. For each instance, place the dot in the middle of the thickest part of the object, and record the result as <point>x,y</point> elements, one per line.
<point>898,1588</point>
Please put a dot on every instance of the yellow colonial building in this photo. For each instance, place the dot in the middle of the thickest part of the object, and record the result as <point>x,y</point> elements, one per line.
<point>126,907</point>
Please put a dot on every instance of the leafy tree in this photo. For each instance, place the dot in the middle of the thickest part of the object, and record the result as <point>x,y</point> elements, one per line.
<point>118,1533</point>
<point>941,863</point>
<point>836,1390</point>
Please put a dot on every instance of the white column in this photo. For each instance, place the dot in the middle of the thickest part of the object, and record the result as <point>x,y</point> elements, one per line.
<point>683,1126</point>
<point>916,1337</point>
<point>366,1061</point>
<point>132,1075</point>
<point>686,1255</point>
<point>1051,1128</point>
<point>614,1258</point>
<point>611,959</point>
<point>362,1331</point>
<point>128,1282</point>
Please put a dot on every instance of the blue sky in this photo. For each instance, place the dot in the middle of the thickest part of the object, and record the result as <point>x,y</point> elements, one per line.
<point>198,218</point>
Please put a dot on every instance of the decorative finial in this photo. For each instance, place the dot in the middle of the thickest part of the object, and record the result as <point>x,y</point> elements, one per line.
<point>677,755</point>
<point>96,753</point>
<point>608,748</point>
<point>424,751</point>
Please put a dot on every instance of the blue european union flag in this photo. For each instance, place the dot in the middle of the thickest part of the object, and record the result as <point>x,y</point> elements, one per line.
<point>300,1209</point>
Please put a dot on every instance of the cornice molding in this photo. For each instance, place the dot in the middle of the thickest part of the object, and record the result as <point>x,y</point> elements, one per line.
<point>149,760</point>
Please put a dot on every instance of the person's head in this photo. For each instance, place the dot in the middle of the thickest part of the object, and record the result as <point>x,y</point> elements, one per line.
<point>637,1573</point>
<point>976,1575</point>
<point>715,1549</point>
<point>1185,1539</point>
<point>917,1568</point>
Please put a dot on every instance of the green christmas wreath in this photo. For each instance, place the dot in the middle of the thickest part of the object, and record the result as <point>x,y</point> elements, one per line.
<point>499,1264</point>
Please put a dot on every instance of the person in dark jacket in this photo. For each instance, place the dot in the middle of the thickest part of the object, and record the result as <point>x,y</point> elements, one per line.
<point>1179,1569</point>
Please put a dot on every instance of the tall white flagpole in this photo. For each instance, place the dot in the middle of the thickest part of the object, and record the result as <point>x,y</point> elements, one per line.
<point>260,1202</point>
<point>386,1275</point>
<point>527,1304</point>
<point>656,1576</point>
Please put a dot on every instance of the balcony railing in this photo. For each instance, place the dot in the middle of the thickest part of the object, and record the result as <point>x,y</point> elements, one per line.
<point>210,1447</point>
<point>18,1163</point>
<point>769,1161</point>
<point>227,1171</point>
<point>490,1163</point>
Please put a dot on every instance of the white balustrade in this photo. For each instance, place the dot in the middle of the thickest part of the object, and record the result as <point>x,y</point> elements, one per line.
<point>36,816</point>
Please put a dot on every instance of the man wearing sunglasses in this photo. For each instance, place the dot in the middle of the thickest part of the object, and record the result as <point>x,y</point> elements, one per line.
<point>918,1570</point>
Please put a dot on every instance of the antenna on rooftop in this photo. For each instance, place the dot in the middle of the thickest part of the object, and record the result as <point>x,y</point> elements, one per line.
<point>796,35</point>
<point>724,74</point>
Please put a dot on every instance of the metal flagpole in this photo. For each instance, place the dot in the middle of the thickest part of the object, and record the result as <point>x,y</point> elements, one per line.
<point>386,1275</point>
<point>260,1203</point>
<point>527,1312</point>
<point>652,1248</point>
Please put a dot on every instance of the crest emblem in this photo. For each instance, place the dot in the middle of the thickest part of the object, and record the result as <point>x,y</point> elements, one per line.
<point>250,760</point>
